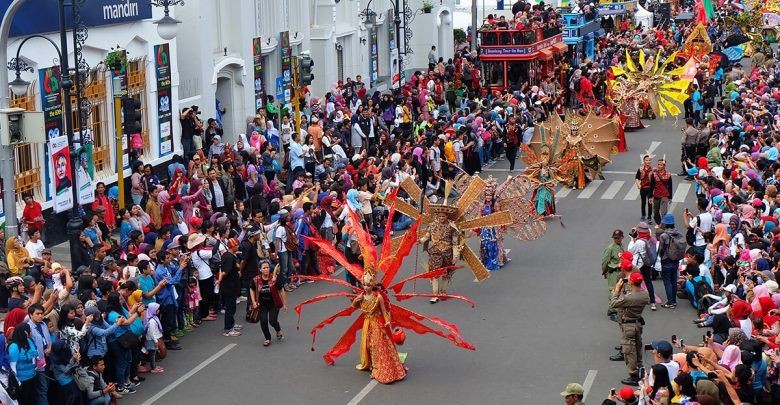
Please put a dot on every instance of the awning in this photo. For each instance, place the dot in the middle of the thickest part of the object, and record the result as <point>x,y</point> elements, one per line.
<point>545,54</point>
<point>560,47</point>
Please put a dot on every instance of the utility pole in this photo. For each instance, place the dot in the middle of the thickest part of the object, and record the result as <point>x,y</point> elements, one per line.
<point>474,24</point>
<point>7,152</point>
<point>119,152</point>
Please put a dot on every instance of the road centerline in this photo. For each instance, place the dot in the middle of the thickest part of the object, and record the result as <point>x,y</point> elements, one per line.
<point>362,394</point>
<point>189,374</point>
<point>588,383</point>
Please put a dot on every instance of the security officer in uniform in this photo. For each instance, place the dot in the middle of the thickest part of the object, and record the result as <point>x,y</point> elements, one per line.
<point>630,303</point>
<point>610,267</point>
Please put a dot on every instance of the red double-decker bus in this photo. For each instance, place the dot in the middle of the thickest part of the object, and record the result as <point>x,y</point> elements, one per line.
<point>513,57</point>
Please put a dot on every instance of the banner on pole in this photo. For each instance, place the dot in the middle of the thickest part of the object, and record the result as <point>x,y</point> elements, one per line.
<point>85,174</point>
<point>63,177</point>
<point>162,64</point>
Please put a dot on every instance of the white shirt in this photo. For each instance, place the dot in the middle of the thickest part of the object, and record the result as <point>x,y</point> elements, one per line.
<point>281,234</point>
<point>35,248</point>
<point>457,147</point>
<point>200,259</point>
<point>638,248</point>
<point>705,225</point>
<point>672,367</point>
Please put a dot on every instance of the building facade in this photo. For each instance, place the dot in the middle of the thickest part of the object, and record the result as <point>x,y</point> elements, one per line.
<point>126,25</point>
<point>220,42</point>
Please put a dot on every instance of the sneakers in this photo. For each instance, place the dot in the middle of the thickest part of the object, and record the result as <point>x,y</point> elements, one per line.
<point>241,299</point>
<point>125,391</point>
<point>133,384</point>
<point>232,333</point>
<point>630,381</point>
<point>653,307</point>
<point>669,305</point>
<point>617,357</point>
<point>238,327</point>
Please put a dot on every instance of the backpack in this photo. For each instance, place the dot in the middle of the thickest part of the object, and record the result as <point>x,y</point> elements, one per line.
<point>81,377</point>
<point>136,142</point>
<point>677,245</point>
<point>701,288</point>
<point>13,388</point>
<point>690,234</point>
<point>652,252</point>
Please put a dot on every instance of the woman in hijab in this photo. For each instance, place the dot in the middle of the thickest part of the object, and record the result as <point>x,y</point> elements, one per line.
<point>166,206</point>
<point>12,319</point>
<point>737,243</point>
<point>17,256</point>
<point>740,313</point>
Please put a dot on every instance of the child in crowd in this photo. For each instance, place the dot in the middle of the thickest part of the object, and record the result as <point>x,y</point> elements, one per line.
<point>153,329</point>
<point>193,297</point>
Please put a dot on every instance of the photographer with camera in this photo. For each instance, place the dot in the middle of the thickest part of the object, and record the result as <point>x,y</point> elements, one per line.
<point>630,303</point>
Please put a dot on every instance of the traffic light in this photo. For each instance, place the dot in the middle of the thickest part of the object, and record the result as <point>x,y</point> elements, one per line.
<point>131,116</point>
<point>305,75</point>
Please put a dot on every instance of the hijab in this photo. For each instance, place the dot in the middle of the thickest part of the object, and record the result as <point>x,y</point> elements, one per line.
<point>417,153</point>
<point>721,235</point>
<point>748,212</point>
<point>352,200</point>
<point>12,319</point>
<point>151,312</point>
<point>163,197</point>
<point>732,356</point>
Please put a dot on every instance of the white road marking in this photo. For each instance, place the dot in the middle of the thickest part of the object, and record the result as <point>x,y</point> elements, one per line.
<point>189,374</point>
<point>563,192</point>
<point>362,394</point>
<point>653,146</point>
<point>588,383</point>
<point>632,194</point>
<point>613,190</point>
<point>681,192</point>
<point>590,189</point>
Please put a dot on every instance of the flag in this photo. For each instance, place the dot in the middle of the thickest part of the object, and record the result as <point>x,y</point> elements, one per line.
<point>704,11</point>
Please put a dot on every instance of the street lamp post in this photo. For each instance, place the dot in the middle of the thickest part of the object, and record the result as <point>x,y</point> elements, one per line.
<point>167,27</point>
<point>368,15</point>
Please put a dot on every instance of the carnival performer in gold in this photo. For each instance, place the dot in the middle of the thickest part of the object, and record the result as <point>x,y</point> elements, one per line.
<point>377,350</point>
<point>381,323</point>
<point>443,241</point>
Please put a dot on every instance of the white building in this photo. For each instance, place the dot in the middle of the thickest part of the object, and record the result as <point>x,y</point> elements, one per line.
<point>128,25</point>
<point>216,40</point>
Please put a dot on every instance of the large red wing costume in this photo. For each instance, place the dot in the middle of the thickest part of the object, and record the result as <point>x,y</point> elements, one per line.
<point>386,264</point>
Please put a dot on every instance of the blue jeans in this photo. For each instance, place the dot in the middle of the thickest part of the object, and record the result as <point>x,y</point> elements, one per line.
<point>103,400</point>
<point>669,276</point>
<point>42,389</point>
<point>286,266</point>
<point>122,360</point>
<point>487,149</point>
<point>402,223</point>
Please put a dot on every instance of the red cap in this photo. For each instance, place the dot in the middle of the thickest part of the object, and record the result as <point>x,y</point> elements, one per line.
<point>626,255</point>
<point>232,243</point>
<point>626,393</point>
<point>196,222</point>
<point>635,278</point>
<point>626,265</point>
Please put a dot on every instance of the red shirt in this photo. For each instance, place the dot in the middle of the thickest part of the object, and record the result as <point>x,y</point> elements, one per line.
<point>33,216</point>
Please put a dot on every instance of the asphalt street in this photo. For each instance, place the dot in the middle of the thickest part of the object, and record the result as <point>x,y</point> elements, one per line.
<point>539,323</point>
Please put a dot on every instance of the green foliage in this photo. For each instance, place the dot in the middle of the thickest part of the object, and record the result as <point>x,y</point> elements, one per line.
<point>459,34</point>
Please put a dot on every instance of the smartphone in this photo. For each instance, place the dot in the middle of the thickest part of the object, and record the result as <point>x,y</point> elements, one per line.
<point>641,373</point>
<point>682,342</point>
<point>648,348</point>
<point>612,392</point>
<point>709,333</point>
<point>704,338</point>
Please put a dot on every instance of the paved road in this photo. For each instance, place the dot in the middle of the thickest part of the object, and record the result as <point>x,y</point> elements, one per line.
<point>539,323</point>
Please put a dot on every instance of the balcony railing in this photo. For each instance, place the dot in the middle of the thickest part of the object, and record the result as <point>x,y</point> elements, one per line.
<point>516,37</point>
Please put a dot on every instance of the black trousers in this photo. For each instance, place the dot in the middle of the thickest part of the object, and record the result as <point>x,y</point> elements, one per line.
<point>645,196</point>
<point>309,265</point>
<point>511,155</point>
<point>207,296</point>
<point>647,275</point>
<point>168,320</point>
<point>230,311</point>
<point>269,315</point>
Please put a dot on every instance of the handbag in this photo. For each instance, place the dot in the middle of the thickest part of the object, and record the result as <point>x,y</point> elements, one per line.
<point>12,388</point>
<point>128,340</point>
<point>162,351</point>
<point>253,314</point>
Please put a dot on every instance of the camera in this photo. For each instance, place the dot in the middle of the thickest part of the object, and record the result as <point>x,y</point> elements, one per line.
<point>633,233</point>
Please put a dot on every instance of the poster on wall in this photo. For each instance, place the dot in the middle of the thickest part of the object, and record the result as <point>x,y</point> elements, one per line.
<point>162,68</point>
<point>286,52</point>
<point>116,62</point>
<point>85,174</point>
<point>63,178</point>
<point>51,105</point>
<point>257,55</point>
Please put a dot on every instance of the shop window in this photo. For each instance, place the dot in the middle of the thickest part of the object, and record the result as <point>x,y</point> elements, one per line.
<point>136,88</point>
<point>27,160</point>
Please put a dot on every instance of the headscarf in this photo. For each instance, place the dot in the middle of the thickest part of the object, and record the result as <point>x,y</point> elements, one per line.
<point>13,318</point>
<point>113,193</point>
<point>352,200</point>
<point>163,197</point>
<point>748,212</point>
<point>703,164</point>
<point>326,205</point>
<point>15,256</point>
<point>732,357</point>
<point>721,235</point>
<point>740,310</point>
<point>417,153</point>
<point>151,312</point>
<point>759,291</point>
<point>735,224</point>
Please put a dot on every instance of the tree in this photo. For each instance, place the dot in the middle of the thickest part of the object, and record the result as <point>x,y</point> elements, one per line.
<point>460,35</point>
